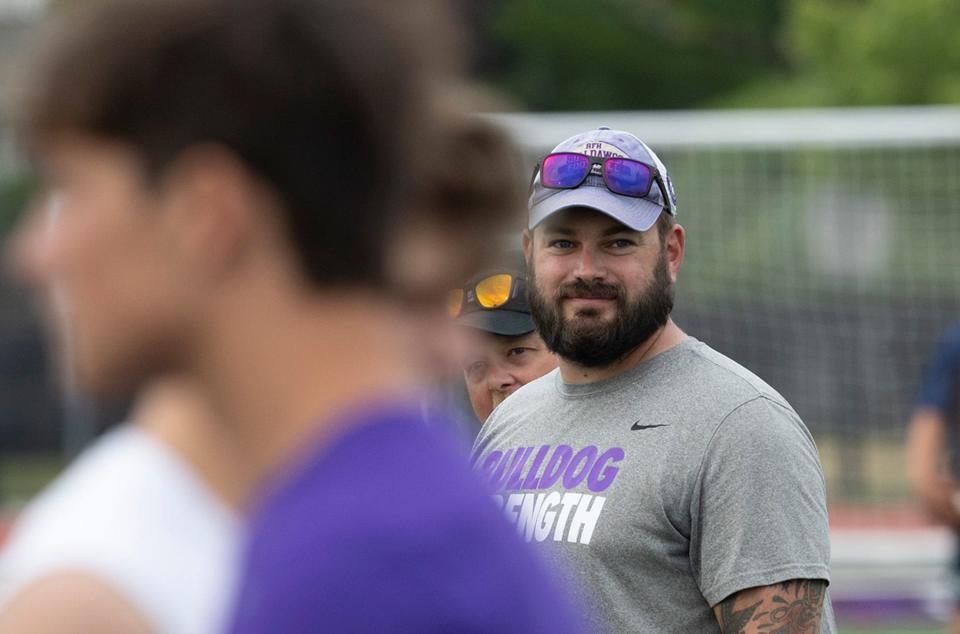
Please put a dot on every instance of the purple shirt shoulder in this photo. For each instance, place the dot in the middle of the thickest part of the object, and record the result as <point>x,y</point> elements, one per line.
<point>388,530</point>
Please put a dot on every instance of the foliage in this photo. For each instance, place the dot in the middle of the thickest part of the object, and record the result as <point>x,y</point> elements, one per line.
<point>15,193</point>
<point>651,54</point>
<point>878,51</point>
<point>864,52</point>
<point>620,54</point>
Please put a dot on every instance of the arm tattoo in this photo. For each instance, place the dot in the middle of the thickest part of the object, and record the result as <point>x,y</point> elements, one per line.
<point>791,607</point>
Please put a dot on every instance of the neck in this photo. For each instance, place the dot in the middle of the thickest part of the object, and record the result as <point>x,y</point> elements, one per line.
<point>280,375</point>
<point>662,340</point>
<point>175,411</point>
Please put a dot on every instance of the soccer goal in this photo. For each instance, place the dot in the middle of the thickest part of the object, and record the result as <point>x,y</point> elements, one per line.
<point>823,253</point>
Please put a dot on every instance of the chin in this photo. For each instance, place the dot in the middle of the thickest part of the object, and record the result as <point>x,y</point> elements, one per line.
<point>105,381</point>
<point>592,314</point>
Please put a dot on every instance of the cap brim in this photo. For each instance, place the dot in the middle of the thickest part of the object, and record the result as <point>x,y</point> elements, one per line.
<point>637,213</point>
<point>509,323</point>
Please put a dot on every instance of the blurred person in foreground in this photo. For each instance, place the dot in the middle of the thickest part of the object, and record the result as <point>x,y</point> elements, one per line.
<point>139,534</point>
<point>253,193</point>
<point>102,548</point>
<point>933,455</point>
<point>501,350</point>
<point>681,492</point>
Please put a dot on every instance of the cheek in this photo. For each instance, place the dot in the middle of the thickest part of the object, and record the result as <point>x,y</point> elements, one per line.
<point>550,269</point>
<point>546,285</point>
<point>74,269</point>
<point>480,400</point>
<point>87,243</point>
<point>113,292</point>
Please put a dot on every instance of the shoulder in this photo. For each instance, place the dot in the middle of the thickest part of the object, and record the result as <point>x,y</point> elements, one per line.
<point>952,336</point>
<point>388,518</point>
<point>719,371</point>
<point>725,406</point>
<point>367,474</point>
<point>118,514</point>
<point>764,426</point>
<point>949,344</point>
<point>711,386</point>
<point>77,511</point>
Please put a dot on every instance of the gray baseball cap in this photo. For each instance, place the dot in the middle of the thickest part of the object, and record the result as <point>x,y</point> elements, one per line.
<point>637,213</point>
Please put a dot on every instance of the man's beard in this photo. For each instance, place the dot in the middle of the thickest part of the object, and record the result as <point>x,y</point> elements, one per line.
<point>595,343</point>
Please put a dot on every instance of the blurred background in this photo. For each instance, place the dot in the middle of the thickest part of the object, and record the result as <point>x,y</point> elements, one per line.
<point>815,149</point>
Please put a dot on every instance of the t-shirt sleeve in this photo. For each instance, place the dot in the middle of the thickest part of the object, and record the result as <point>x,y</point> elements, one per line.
<point>941,379</point>
<point>759,512</point>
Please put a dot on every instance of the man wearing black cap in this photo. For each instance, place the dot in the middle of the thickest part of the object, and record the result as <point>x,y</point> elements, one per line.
<point>680,491</point>
<point>501,348</point>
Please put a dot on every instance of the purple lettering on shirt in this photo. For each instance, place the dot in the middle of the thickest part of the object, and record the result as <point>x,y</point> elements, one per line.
<point>531,481</point>
<point>601,477</point>
<point>497,477</point>
<point>586,456</point>
<point>490,461</point>
<point>558,462</point>
<point>516,469</point>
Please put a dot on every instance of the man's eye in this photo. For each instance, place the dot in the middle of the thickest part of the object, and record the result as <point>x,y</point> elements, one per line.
<point>621,244</point>
<point>513,352</point>
<point>561,244</point>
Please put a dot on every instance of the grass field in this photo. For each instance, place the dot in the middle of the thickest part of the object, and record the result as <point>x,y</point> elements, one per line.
<point>21,476</point>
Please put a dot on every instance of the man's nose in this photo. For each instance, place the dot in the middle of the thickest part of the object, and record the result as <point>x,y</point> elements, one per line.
<point>500,379</point>
<point>589,264</point>
<point>26,255</point>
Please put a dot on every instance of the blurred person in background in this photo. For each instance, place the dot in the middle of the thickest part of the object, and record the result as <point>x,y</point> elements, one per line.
<point>680,491</point>
<point>252,194</point>
<point>500,348</point>
<point>933,458</point>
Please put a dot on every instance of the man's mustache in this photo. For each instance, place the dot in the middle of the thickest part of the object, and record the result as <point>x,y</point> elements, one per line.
<point>591,290</point>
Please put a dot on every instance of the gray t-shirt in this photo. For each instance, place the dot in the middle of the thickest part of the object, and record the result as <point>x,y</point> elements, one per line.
<point>663,490</point>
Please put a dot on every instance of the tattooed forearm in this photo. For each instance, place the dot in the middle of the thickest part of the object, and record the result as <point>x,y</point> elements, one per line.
<point>792,607</point>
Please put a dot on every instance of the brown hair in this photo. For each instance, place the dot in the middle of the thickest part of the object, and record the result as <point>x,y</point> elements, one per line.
<point>665,223</point>
<point>330,103</point>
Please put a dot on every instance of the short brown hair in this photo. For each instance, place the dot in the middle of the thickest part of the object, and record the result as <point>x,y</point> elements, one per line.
<point>328,102</point>
<point>665,223</point>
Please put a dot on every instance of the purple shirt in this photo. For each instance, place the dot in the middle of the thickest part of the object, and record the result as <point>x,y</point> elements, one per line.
<point>388,530</point>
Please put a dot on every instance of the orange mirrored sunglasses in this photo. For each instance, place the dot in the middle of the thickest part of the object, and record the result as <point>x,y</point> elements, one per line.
<point>490,292</point>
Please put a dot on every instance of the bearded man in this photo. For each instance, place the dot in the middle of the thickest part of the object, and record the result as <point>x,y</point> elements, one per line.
<point>679,491</point>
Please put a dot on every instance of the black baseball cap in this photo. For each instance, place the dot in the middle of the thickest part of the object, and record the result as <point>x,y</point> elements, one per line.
<point>512,318</point>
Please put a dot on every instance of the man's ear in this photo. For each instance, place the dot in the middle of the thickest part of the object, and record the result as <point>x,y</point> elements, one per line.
<point>674,247</point>
<point>210,202</point>
<point>527,246</point>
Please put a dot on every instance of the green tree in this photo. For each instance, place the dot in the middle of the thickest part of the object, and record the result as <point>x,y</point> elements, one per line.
<point>628,54</point>
<point>865,52</point>
<point>15,193</point>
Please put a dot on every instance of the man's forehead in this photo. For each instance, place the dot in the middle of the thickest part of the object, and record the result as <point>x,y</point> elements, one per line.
<point>580,219</point>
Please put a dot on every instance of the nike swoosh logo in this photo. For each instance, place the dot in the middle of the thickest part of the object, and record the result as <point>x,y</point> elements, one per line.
<point>637,425</point>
